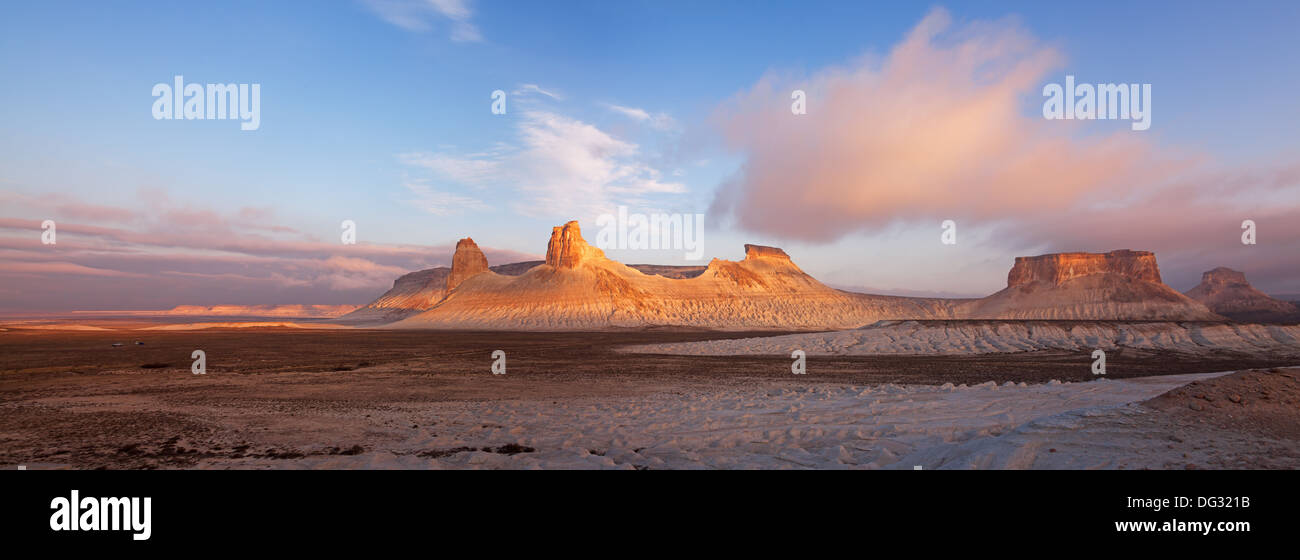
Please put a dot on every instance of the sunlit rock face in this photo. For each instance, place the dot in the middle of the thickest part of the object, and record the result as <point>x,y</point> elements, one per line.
<point>1058,268</point>
<point>578,287</point>
<point>1119,285</point>
<point>567,248</point>
<point>466,262</point>
<point>764,252</point>
<point>1223,277</point>
<point>1226,292</point>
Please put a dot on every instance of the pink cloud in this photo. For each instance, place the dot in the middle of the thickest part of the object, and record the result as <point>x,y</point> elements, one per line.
<point>173,255</point>
<point>936,129</point>
<point>946,125</point>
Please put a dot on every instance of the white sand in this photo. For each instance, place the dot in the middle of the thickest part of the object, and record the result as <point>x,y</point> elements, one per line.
<point>978,337</point>
<point>1055,425</point>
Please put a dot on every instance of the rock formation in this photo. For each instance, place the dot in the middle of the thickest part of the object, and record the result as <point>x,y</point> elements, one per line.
<point>578,287</point>
<point>466,262</point>
<point>1119,285</point>
<point>1059,268</point>
<point>1226,292</point>
<point>417,291</point>
<point>567,248</point>
<point>765,252</point>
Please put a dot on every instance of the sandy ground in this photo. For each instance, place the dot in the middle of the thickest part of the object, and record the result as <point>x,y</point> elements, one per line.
<point>288,398</point>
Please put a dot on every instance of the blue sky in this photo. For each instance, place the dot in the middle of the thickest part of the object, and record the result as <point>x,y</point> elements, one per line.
<point>357,94</point>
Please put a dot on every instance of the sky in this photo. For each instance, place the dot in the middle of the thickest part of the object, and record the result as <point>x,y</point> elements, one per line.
<point>380,112</point>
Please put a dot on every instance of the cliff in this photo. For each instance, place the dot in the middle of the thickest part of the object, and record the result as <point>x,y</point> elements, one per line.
<point>1118,285</point>
<point>1226,292</point>
<point>466,262</point>
<point>1059,268</point>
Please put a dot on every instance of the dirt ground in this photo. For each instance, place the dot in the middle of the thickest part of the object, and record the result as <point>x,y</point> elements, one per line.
<point>71,399</point>
<point>1255,402</point>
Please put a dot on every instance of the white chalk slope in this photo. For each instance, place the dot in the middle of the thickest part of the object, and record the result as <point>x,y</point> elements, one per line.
<point>818,426</point>
<point>979,337</point>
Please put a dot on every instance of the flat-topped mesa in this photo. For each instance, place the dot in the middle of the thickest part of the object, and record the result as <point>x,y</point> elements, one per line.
<point>567,248</point>
<point>1226,292</point>
<point>1224,276</point>
<point>466,262</point>
<point>756,252</point>
<point>1057,268</point>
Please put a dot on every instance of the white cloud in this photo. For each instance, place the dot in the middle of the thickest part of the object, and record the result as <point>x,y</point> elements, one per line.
<point>561,168</point>
<point>418,15</point>
<point>454,9</point>
<point>657,121</point>
<point>633,112</point>
<point>472,169</point>
<point>440,203</point>
<point>527,89</point>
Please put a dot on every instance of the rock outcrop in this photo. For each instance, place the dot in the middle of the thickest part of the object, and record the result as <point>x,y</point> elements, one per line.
<point>1119,285</point>
<point>765,252</point>
<point>466,262</point>
<point>578,287</point>
<point>567,249</point>
<point>1059,268</point>
<point>1226,292</point>
<point>418,291</point>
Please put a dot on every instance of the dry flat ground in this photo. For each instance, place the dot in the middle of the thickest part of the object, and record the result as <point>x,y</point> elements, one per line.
<point>276,398</point>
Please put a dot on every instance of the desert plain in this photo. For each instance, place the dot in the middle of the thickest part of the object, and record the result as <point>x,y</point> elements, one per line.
<point>357,398</point>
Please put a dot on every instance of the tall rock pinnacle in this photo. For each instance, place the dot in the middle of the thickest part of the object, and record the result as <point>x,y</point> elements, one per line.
<point>567,248</point>
<point>467,261</point>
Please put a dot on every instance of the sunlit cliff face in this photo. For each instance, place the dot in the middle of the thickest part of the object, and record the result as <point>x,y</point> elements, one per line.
<point>567,248</point>
<point>1057,268</point>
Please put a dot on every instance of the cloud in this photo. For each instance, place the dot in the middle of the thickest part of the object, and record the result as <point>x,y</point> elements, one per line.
<point>946,125</point>
<point>419,15</point>
<point>530,89</point>
<point>70,208</point>
<point>658,121</point>
<point>440,203</point>
<point>558,167</point>
<point>173,254</point>
<point>350,273</point>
